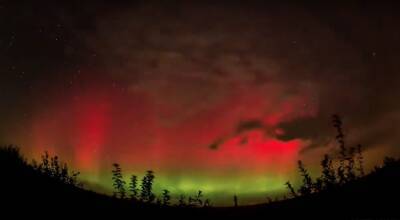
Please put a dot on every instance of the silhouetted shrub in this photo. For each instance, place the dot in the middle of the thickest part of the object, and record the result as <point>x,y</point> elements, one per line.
<point>350,165</point>
<point>360,160</point>
<point>207,203</point>
<point>133,187</point>
<point>340,138</point>
<point>55,167</point>
<point>118,182</point>
<point>235,200</point>
<point>158,202</point>
<point>291,189</point>
<point>328,173</point>
<point>146,194</point>
<point>45,165</point>
<point>346,170</point>
<point>196,201</point>
<point>166,197</point>
<point>307,187</point>
<point>182,201</point>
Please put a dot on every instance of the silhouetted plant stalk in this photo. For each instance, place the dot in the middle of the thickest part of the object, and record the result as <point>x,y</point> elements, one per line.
<point>340,138</point>
<point>350,165</point>
<point>166,197</point>
<point>146,194</point>
<point>291,189</point>
<point>118,182</point>
<point>328,173</point>
<point>307,187</point>
<point>360,160</point>
<point>207,203</point>
<point>235,201</point>
<point>133,188</point>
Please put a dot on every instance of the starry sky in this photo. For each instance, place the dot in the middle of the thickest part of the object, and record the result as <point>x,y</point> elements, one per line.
<point>222,96</point>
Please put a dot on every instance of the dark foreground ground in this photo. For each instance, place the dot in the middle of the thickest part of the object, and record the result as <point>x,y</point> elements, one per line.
<point>24,192</point>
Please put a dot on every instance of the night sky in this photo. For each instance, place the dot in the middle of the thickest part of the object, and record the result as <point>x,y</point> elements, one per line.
<point>224,97</point>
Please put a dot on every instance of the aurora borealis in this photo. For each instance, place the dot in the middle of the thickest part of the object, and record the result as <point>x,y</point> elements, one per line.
<point>223,97</point>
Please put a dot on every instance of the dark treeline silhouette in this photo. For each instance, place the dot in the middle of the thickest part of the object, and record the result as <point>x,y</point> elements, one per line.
<point>342,189</point>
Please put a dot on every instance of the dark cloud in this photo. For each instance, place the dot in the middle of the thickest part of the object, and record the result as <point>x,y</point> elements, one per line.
<point>241,127</point>
<point>249,125</point>
<point>216,144</point>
